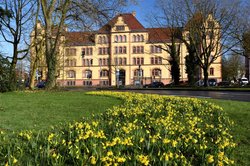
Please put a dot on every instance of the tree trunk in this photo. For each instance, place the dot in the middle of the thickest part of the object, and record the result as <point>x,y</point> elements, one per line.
<point>33,74</point>
<point>51,75</point>
<point>12,74</point>
<point>205,72</point>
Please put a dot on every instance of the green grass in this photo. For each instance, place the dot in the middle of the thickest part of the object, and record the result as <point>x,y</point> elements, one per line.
<point>40,110</point>
<point>239,112</point>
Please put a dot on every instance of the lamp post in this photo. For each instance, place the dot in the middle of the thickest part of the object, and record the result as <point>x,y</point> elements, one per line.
<point>117,77</point>
<point>140,75</point>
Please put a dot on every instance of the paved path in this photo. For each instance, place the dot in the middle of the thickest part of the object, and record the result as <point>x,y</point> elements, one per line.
<point>225,95</point>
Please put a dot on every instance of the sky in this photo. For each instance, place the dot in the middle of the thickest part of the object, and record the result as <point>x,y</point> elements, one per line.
<point>142,8</point>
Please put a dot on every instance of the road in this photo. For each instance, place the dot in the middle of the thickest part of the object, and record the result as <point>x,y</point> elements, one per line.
<point>225,95</point>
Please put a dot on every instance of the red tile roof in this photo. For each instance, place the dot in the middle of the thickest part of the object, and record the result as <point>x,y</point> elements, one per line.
<point>79,38</point>
<point>158,35</point>
<point>129,19</point>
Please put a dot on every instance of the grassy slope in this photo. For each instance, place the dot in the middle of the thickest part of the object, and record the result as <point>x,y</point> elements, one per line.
<point>40,110</point>
<point>239,112</point>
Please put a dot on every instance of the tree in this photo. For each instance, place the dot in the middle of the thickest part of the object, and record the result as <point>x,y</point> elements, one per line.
<point>213,28</point>
<point>4,74</point>
<point>210,28</point>
<point>57,14</point>
<point>232,67</point>
<point>169,27</point>
<point>13,27</point>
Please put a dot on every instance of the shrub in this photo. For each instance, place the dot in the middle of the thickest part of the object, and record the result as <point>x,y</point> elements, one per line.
<point>145,130</point>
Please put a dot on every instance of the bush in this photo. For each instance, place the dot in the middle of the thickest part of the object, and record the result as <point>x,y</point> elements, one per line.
<point>145,130</point>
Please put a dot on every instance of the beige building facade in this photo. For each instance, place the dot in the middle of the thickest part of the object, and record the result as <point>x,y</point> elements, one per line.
<point>122,52</point>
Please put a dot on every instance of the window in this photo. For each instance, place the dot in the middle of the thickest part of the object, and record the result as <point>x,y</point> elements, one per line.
<point>124,62</point>
<point>103,50</point>
<point>120,28</point>
<point>156,60</point>
<point>116,38</point>
<point>103,61</point>
<point>121,38</point>
<point>134,49</point>
<point>116,50</point>
<point>156,72</point>
<point>134,38</point>
<point>87,74</point>
<point>142,49</point>
<point>87,62</point>
<point>104,82</point>
<point>120,61</point>
<point>134,61</point>
<point>138,73</point>
<point>156,49</point>
<point>124,50</point>
<point>70,62</point>
<point>142,38</point>
<point>100,39</point>
<point>116,61</point>
<point>71,83</point>
<point>71,74</point>
<point>211,71</point>
<point>138,38</point>
<point>70,52</point>
<point>138,49</point>
<point>120,50</point>
<point>138,61</point>
<point>87,83</point>
<point>87,51</point>
<point>124,38</point>
<point>104,73</point>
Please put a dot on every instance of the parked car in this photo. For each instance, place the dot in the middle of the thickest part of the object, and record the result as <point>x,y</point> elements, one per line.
<point>41,84</point>
<point>210,82</point>
<point>224,83</point>
<point>199,83</point>
<point>243,81</point>
<point>154,85</point>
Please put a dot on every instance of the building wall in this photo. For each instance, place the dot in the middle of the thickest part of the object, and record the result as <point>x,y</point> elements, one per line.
<point>74,63</point>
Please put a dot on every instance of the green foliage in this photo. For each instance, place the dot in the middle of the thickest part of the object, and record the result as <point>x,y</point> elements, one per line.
<point>4,74</point>
<point>145,130</point>
<point>192,68</point>
<point>232,67</point>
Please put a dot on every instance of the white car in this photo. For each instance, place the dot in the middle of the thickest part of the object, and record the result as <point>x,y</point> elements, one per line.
<point>243,81</point>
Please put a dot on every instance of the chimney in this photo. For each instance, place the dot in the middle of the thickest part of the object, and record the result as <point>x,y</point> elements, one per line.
<point>134,13</point>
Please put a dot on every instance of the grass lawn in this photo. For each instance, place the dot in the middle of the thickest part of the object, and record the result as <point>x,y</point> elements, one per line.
<point>239,112</point>
<point>40,110</point>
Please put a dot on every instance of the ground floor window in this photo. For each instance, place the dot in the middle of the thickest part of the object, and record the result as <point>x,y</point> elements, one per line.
<point>87,83</point>
<point>211,71</point>
<point>104,83</point>
<point>71,83</point>
<point>156,72</point>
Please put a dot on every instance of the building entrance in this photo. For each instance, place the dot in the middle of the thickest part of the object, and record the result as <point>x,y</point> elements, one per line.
<point>122,77</point>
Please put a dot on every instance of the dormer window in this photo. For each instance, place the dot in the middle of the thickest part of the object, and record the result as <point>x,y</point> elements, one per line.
<point>120,28</point>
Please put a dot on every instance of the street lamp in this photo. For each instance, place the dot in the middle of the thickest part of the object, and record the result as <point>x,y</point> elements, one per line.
<point>140,75</point>
<point>117,77</point>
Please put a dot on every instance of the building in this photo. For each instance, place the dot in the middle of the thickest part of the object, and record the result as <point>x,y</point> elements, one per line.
<point>122,52</point>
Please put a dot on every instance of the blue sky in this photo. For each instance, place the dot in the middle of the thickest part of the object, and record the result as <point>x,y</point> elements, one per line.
<point>143,8</point>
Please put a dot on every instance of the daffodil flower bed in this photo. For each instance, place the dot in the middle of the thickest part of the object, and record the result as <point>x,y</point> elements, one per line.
<point>145,130</point>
